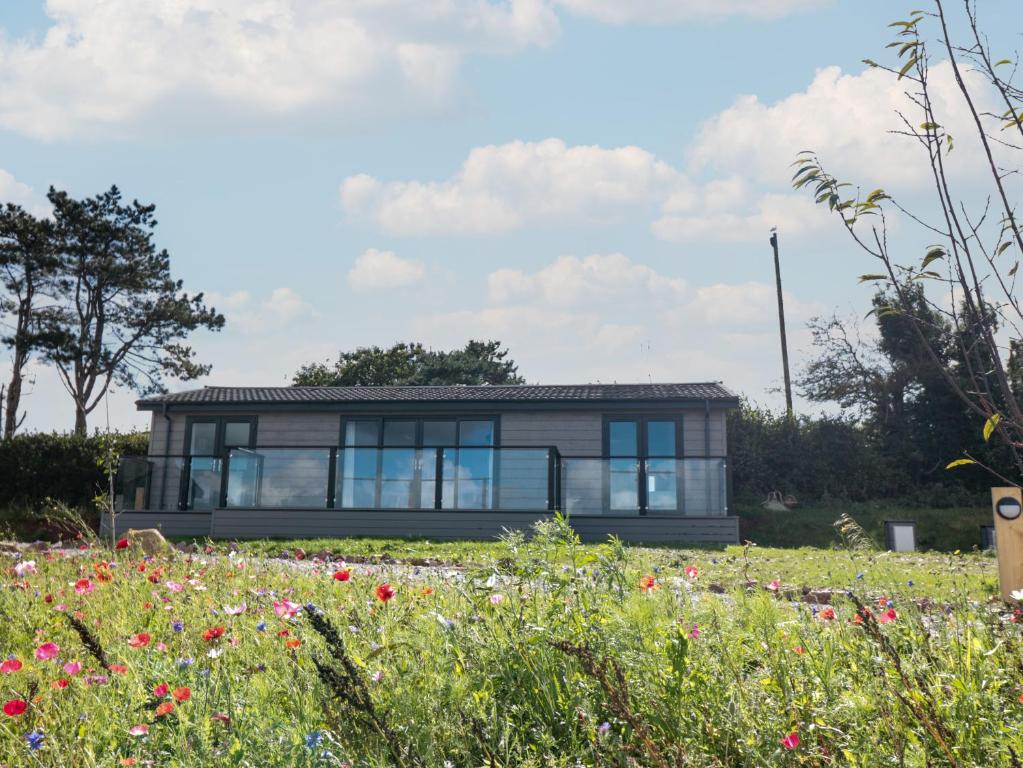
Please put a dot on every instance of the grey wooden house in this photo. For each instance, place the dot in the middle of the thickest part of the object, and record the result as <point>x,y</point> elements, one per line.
<point>647,462</point>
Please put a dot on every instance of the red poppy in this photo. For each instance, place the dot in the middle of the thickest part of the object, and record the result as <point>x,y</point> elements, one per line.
<point>212,634</point>
<point>648,584</point>
<point>10,666</point>
<point>385,592</point>
<point>344,574</point>
<point>828,614</point>
<point>15,707</point>
<point>62,683</point>
<point>182,694</point>
<point>141,640</point>
<point>791,741</point>
<point>161,690</point>
<point>292,643</point>
<point>165,708</point>
<point>118,669</point>
<point>799,650</point>
<point>889,615</point>
<point>221,717</point>
<point>121,544</point>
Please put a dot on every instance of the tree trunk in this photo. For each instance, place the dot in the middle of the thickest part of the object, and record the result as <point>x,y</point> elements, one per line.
<point>81,427</point>
<point>13,400</point>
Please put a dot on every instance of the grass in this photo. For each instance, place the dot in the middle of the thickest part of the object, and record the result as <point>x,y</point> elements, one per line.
<point>942,530</point>
<point>538,653</point>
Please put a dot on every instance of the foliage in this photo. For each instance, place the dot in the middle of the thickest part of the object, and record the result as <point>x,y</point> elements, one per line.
<point>479,362</point>
<point>537,660</point>
<point>27,268</point>
<point>66,468</point>
<point>972,255</point>
<point>121,316</point>
<point>889,382</point>
<point>810,457</point>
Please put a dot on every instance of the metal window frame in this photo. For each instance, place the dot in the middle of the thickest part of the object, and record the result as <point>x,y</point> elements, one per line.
<point>220,451</point>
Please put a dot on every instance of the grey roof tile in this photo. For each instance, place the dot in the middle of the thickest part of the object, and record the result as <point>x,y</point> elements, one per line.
<point>459,393</point>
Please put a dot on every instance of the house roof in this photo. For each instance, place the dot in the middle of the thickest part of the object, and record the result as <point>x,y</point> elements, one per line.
<point>552,394</point>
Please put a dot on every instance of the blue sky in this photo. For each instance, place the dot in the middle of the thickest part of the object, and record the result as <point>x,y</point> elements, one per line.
<point>591,181</point>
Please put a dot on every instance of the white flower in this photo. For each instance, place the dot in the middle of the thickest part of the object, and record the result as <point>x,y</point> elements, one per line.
<point>215,652</point>
<point>1017,595</point>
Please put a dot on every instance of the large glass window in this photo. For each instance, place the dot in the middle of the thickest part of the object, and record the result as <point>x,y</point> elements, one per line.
<point>402,463</point>
<point>207,440</point>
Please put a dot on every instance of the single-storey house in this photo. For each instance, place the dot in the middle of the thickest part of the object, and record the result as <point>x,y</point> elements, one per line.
<point>647,462</point>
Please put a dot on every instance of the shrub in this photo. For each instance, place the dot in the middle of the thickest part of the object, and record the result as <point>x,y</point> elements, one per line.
<point>64,468</point>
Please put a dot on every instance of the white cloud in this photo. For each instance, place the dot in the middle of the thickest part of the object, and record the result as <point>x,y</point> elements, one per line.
<point>668,11</point>
<point>570,281</point>
<point>609,318</point>
<point>379,270</point>
<point>251,316</point>
<point>847,119</point>
<point>500,188</point>
<point>111,67</point>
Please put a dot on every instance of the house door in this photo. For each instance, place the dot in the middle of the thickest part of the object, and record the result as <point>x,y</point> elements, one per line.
<point>207,443</point>
<point>642,465</point>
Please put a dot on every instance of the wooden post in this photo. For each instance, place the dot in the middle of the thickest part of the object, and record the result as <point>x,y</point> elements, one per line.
<point>1007,504</point>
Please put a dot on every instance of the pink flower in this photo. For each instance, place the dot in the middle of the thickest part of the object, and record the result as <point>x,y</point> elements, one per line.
<point>24,568</point>
<point>10,666</point>
<point>73,667</point>
<point>377,676</point>
<point>791,741</point>
<point>161,690</point>
<point>286,609</point>
<point>138,730</point>
<point>173,586</point>
<point>84,587</point>
<point>235,610</point>
<point>889,615</point>
<point>496,599</point>
<point>774,586</point>
<point>694,633</point>
<point>691,571</point>
<point>47,651</point>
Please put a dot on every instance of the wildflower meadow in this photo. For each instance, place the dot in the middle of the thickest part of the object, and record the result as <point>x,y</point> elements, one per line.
<point>544,652</point>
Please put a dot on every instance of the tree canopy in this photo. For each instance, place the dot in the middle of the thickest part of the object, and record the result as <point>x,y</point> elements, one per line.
<point>478,362</point>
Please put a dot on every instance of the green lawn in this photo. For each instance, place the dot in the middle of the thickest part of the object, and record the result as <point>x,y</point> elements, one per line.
<point>539,653</point>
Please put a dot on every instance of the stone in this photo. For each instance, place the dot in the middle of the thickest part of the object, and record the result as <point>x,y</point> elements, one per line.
<point>150,540</point>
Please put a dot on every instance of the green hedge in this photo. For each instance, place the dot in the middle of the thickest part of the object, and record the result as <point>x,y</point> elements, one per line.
<point>67,468</point>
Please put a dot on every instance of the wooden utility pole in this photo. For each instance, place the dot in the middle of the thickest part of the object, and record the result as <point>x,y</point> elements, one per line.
<point>781,326</point>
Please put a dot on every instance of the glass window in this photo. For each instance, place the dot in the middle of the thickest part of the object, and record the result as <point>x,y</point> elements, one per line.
<point>397,476</point>
<point>204,483</point>
<point>660,438</point>
<point>204,439</point>
<point>236,434</point>
<point>476,433</point>
<point>468,479</point>
<point>358,478</point>
<point>362,433</point>
<point>662,485</point>
<point>399,432</point>
<point>622,438</point>
<point>439,433</point>
<point>624,485</point>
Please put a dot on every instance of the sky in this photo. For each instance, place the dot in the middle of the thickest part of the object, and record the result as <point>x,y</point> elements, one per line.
<point>592,182</point>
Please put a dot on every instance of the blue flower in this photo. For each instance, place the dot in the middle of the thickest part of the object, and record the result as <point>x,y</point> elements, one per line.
<point>35,739</point>
<point>178,626</point>
<point>185,662</point>
<point>910,582</point>
<point>313,740</point>
<point>859,577</point>
<point>261,626</point>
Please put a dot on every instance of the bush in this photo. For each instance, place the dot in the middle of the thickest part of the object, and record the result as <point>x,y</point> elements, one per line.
<point>65,468</point>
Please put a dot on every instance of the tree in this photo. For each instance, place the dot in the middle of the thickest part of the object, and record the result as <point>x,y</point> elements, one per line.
<point>121,317</point>
<point>27,268</point>
<point>906,407</point>
<point>976,247</point>
<point>479,362</point>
